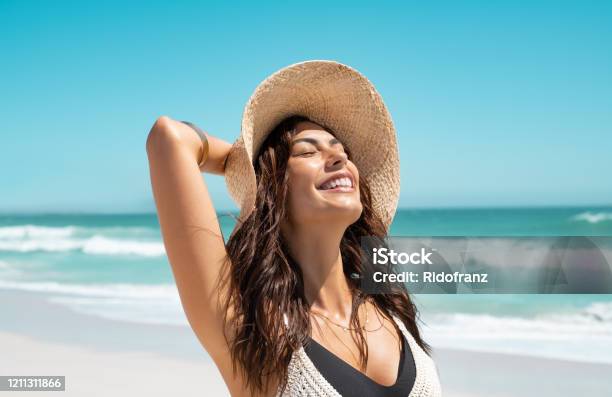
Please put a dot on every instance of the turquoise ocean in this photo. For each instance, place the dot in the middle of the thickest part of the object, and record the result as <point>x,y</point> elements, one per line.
<point>114,267</point>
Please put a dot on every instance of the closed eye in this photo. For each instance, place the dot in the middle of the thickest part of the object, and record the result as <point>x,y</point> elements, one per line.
<point>306,153</point>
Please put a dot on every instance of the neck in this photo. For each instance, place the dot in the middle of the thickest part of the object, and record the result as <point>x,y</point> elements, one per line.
<point>316,249</point>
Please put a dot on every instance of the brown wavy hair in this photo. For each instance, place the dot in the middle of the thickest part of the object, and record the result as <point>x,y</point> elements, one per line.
<point>264,283</point>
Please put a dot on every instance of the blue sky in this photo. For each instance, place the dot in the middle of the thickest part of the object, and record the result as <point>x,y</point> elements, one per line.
<point>495,104</point>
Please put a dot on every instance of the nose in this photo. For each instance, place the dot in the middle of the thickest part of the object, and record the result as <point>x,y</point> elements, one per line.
<point>337,159</point>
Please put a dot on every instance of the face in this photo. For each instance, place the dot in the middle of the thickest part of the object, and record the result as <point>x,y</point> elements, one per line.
<point>323,182</point>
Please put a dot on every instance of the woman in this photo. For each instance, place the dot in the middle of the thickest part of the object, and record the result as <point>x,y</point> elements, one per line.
<point>279,307</point>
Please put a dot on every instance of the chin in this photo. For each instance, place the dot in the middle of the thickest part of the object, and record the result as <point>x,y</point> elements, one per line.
<point>347,214</point>
<point>336,215</point>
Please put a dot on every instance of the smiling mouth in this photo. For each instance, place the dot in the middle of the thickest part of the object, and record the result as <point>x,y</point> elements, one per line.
<point>341,184</point>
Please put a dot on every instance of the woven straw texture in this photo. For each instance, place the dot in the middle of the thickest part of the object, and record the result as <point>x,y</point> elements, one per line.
<point>333,95</point>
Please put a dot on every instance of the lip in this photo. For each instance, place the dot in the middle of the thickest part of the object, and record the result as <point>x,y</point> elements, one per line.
<point>341,174</point>
<point>339,189</point>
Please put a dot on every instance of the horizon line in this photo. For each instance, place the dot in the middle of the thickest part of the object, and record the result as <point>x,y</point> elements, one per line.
<point>413,208</point>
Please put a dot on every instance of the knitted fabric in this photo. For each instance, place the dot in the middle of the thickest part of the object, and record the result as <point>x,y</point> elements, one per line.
<point>304,380</point>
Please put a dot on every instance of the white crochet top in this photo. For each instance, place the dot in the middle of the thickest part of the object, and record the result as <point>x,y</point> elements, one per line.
<point>304,380</point>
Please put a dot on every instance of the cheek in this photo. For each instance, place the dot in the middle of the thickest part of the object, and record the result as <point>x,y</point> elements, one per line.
<point>300,188</point>
<point>300,192</point>
<point>302,177</point>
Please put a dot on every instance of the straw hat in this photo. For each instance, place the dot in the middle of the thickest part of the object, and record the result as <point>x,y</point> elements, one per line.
<point>333,95</point>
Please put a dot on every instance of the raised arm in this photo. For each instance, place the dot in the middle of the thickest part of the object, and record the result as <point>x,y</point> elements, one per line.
<point>192,235</point>
<point>189,224</point>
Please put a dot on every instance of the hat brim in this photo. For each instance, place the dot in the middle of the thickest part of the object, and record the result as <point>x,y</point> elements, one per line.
<point>335,96</point>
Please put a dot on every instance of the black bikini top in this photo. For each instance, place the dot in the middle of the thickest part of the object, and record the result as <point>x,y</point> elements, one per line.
<point>350,382</point>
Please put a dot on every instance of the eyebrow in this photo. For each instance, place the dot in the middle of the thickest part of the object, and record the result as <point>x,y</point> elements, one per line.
<point>314,141</point>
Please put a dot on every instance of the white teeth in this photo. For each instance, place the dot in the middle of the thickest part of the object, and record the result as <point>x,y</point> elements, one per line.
<point>346,182</point>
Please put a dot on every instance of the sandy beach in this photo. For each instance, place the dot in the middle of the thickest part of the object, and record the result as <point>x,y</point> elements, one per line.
<point>103,357</point>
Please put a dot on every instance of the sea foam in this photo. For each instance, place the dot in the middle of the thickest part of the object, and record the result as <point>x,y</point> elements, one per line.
<point>593,217</point>
<point>581,335</point>
<point>32,238</point>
